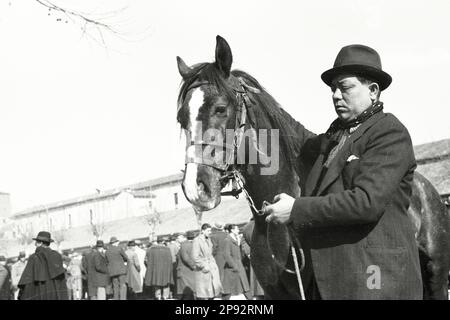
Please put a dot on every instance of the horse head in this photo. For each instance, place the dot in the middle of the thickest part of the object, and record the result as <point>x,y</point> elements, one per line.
<point>213,111</point>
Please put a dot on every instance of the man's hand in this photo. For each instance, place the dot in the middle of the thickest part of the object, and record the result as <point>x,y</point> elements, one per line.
<point>280,210</point>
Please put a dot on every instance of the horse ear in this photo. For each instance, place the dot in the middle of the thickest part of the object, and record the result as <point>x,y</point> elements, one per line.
<point>183,68</point>
<point>224,57</point>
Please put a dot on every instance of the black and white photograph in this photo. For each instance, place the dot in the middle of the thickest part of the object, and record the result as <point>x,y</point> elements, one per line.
<point>239,152</point>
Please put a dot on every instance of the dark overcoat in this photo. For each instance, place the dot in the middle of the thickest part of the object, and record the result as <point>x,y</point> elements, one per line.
<point>88,268</point>
<point>235,279</point>
<point>185,269</point>
<point>218,241</point>
<point>353,222</point>
<point>159,266</point>
<point>116,259</point>
<point>43,277</point>
<point>101,272</point>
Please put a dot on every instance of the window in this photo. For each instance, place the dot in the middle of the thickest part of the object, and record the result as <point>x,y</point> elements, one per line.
<point>70,221</point>
<point>175,198</point>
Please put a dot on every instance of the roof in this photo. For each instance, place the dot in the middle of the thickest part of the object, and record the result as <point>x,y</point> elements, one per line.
<point>433,151</point>
<point>137,189</point>
<point>433,160</point>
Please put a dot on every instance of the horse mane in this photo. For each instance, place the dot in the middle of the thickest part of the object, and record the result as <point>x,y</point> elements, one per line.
<point>267,106</point>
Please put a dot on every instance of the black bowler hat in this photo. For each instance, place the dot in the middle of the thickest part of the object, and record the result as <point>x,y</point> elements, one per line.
<point>44,236</point>
<point>100,244</point>
<point>361,61</point>
<point>131,243</point>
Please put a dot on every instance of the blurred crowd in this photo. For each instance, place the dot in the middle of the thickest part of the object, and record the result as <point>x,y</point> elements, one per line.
<point>212,263</point>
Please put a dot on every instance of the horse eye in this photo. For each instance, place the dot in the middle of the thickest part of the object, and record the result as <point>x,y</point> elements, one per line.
<point>220,109</point>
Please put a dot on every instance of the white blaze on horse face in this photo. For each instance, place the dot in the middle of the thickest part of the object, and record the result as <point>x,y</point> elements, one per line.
<point>190,178</point>
<point>195,103</point>
<point>190,182</point>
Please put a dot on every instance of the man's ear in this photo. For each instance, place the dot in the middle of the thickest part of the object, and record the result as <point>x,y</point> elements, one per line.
<point>374,91</point>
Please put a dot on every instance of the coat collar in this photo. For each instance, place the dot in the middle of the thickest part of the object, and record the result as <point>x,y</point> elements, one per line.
<point>339,161</point>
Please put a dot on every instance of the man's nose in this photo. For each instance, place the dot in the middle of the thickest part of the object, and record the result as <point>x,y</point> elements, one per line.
<point>337,94</point>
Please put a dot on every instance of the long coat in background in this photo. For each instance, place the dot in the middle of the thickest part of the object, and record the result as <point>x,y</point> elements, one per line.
<point>88,268</point>
<point>255,286</point>
<point>218,241</point>
<point>133,279</point>
<point>235,279</point>
<point>101,275</point>
<point>185,270</point>
<point>141,256</point>
<point>159,266</point>
<point>207,277</point>
<point>43,277</point>
<point>5,283</point>
<point>116,258</point>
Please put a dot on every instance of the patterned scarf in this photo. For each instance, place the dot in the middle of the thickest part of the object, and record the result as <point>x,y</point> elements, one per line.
<point>339,131</point>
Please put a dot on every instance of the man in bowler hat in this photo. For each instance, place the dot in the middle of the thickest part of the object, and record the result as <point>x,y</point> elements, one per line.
<point>116,259</point>
<point>44,274</point>
<point>352,217</point>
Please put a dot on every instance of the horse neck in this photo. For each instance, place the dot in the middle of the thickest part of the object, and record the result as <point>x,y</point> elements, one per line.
<point>264,187</point>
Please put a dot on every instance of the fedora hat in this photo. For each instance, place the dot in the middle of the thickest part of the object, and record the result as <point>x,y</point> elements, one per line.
<point>22,254</point>
<point>361,61</point>
<point>113,240</point>
<point>131,243</point>
<point>44,236</point>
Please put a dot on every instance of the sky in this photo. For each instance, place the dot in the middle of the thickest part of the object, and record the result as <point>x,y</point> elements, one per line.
<point>76,116</point>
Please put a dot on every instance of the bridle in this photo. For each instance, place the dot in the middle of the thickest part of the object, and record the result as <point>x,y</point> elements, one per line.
<point>229,170</point>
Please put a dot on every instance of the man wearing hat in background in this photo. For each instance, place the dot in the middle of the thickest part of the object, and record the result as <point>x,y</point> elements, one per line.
<point>16,272</point>
<point>116,259</point>
<point>218,240</point>
<point>100,278</point>
<point>352,219</point>
<point>5,280</point>
<point>44,274</point>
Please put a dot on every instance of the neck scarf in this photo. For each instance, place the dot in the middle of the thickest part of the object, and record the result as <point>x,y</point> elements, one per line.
<point>339,131</point>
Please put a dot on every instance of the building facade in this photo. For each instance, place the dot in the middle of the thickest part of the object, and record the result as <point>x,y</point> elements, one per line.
<point>139,199</point>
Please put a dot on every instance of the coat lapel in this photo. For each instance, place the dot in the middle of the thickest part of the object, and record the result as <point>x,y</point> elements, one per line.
<point>339,161</point>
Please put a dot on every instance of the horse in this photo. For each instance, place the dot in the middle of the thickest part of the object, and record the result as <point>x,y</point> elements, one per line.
<point>216,106</point>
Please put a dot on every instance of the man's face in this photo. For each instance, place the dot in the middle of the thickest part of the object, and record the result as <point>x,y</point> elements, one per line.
<point>207,232</point>
<point>350,97</point>
<point>235,230</point>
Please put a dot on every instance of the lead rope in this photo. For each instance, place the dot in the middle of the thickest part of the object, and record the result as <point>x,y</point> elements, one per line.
<point>237,177</point>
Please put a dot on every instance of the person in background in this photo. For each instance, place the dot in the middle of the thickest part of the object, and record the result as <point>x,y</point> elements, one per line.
<point>218,241</point>
<point>159,274</point>
<point>235,281</point>
<point>88,269</point>
<point>140,251</point>
<point>207,278</point>
<point>101,272</point>
<point>174,247</point>
<point>116,259</point>
<point>16,272</point>
<point>133,279</point>
<point>44,274</point>
<point>5,280</point>
<point>185,269</point>
<point>74,270</point>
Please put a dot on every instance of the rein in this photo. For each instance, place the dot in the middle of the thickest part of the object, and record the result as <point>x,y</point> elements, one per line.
<point>230,173</point>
